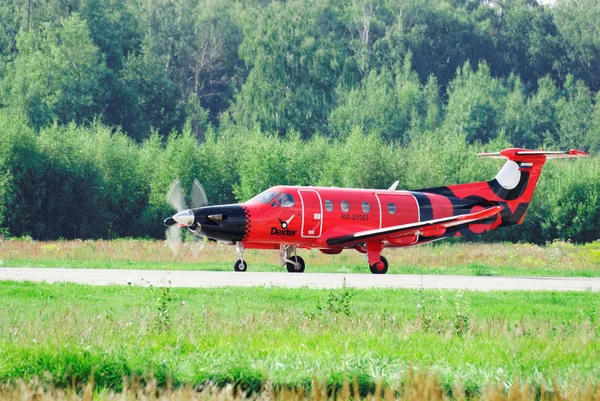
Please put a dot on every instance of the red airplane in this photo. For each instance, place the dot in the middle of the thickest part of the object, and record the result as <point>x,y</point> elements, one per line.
<point>332,219</point>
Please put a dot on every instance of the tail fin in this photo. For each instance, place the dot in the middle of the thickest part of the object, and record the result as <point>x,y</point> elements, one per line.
<point>516,180</point>
<point>514,184</point>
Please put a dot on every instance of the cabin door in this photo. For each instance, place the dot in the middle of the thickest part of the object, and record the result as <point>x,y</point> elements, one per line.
<point>312,213</point>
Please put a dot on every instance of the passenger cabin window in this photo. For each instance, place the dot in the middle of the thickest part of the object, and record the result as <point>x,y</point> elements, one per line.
<point>345,206</point>
<point>391,208</point>
<point>329,205</point>
<point>366,208</point>
<point>286,200</point>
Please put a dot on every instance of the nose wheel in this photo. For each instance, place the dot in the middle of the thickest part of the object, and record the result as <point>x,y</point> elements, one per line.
<point>240,265</point>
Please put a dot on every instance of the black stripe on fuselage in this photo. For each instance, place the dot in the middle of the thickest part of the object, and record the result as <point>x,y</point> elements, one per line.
<point>425,208</point>
<point>444,191</point>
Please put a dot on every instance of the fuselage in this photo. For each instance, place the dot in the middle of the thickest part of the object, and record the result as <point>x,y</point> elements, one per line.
<point>307,216</point>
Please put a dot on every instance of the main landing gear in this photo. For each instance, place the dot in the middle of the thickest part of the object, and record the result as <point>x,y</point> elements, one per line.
<point>377,263</point>
<point>380,267</point>
<point>289,258</point>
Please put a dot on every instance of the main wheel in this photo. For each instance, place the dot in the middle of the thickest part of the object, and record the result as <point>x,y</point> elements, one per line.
<point>380,267</point>
<point>240,266</point>
<point>297,267</point>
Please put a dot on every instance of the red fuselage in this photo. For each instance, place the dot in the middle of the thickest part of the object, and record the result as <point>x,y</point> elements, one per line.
<point>318,213</point>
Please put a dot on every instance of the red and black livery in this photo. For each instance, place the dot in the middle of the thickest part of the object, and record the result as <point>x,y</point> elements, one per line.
<point>287,218</point>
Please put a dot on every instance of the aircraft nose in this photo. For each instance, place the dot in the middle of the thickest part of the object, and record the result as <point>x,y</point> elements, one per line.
<point>185,218</point>
<point>229,223</point>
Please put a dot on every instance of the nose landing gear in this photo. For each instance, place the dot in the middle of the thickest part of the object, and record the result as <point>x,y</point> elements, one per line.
<point>240,265</point>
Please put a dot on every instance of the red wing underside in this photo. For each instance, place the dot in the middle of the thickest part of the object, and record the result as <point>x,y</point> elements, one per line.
<point>430,228</point>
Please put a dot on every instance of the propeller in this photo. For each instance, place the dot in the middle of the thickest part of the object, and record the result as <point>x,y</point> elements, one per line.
<point>184,216</point>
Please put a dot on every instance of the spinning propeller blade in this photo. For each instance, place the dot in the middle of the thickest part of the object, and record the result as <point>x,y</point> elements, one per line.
<point>173,235</point>
<point>176,199</point>
<point>198,196</point>
<point>175,196</point>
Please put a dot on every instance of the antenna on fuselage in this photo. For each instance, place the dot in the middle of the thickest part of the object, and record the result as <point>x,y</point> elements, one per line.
<point>394,186</point>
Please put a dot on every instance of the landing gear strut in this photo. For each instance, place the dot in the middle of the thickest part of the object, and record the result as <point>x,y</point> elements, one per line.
<point>289,258</point>
<point>240,265</point>
<point>377,263</point>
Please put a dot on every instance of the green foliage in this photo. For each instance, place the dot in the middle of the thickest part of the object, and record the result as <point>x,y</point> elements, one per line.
<point>475,103</point>
<point>526,38</point>
<point>151,99</point>
<point>373,108</point>
<point>245,95</point>
<point>386,104</point>
<point>572,200</point>
<point>362,161</point>
<point>296,60</point>
<point>573,113</point>
<point>56,75</point>
<point>576,23</point>
<point>22,164</point>
<point>267,160</point>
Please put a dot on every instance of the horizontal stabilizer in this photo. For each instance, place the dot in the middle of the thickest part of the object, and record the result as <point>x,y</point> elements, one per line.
<point>510,154</point>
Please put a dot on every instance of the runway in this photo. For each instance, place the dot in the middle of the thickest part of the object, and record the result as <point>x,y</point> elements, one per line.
<point>203,279</point>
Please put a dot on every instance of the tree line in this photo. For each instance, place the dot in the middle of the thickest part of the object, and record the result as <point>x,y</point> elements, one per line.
<point>103,103</point>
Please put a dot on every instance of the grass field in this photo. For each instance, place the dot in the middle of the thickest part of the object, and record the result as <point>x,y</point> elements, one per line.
<point>64,333</point>
<point>557,259</point>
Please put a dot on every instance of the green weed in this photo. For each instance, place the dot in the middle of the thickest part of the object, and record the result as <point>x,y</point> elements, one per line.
<point>338,301</point>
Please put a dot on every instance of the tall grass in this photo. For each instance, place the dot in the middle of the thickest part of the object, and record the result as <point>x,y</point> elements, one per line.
<point>556,259</point>
<point>414,386</point>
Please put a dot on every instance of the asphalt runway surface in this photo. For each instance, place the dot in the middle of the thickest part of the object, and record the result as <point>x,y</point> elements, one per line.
<point>198,279</point>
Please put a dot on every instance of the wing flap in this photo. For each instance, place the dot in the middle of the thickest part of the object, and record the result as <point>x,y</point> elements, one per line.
<point>430,228</point>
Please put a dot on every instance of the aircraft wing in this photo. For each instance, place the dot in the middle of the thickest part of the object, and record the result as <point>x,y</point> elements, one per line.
<point>430,228</point>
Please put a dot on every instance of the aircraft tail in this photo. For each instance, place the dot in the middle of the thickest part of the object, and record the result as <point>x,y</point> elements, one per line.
<point>514,184</point>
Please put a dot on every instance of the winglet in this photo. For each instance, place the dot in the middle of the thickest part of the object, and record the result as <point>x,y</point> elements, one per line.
<point>394,186</point>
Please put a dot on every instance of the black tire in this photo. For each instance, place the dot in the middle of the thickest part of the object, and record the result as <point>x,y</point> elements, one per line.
<point>240,266</point>
<point>375,270</point>
<point>292,268</point>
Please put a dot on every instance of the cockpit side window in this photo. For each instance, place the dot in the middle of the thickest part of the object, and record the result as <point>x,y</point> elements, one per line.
<point>265,197</point>
<point>286,200</point>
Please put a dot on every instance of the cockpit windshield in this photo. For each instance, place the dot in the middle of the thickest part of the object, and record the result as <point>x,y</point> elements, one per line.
<point>286,200</point>
<point>265,197</point>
